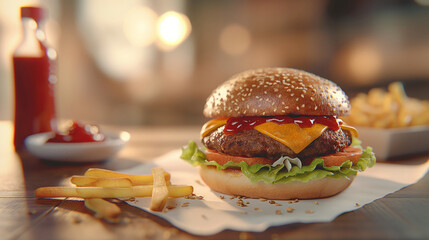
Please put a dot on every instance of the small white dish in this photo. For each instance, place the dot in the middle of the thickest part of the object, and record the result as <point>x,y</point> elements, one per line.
<point>395,142</point>
<point>76,152</point>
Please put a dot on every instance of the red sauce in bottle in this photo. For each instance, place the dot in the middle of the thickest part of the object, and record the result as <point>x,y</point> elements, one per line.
<point>78,133</point>
<point>34,73</point>
<point>238,124</point>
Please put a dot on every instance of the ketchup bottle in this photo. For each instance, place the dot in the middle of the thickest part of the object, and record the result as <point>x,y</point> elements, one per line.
<point>34,66</point>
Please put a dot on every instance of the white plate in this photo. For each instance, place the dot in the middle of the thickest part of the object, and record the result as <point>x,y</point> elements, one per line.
<point>76,152</point>
<point>395,142</point>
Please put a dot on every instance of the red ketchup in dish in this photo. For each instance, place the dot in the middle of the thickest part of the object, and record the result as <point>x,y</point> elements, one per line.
<point>238,124</point>
<point>78,133</point>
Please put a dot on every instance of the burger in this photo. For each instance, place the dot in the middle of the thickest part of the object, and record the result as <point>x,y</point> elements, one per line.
<point>276,133</point>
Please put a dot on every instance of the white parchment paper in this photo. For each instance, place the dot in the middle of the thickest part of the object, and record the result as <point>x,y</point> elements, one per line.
<point>213,214</point>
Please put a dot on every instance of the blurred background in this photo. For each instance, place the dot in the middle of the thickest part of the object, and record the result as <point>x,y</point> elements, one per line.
<point>154,62</point>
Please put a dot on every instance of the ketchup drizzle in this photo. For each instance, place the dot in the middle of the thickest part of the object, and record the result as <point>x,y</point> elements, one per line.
<point>238,124</point>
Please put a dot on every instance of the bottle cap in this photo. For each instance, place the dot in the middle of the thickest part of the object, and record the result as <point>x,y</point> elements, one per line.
<point>35,13</point>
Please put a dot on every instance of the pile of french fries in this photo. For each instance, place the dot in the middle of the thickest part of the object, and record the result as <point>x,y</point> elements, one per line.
<point>388,109</point>
<point>97,185</point>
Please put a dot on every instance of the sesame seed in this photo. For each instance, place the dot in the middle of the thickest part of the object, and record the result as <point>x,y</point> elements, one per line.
<point>170,207</point>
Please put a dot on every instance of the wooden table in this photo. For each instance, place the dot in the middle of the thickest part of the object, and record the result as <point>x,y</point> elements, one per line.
<point>401,215</point>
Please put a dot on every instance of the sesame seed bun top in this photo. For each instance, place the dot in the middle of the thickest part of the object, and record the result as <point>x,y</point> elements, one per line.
<point>276,91</point>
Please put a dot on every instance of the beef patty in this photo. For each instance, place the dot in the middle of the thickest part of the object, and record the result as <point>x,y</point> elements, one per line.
<point>252,143</point>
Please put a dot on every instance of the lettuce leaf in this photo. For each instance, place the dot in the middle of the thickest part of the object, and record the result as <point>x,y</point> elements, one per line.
<point>279,174</point>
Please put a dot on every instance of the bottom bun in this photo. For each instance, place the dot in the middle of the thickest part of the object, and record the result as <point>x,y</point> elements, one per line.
<point>234,182</point>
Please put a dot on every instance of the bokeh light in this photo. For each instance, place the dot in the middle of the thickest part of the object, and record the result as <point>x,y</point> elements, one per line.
<point>364,61</point>
<point>173,28</point>
<point>234,39</point>
<point>140,26</point>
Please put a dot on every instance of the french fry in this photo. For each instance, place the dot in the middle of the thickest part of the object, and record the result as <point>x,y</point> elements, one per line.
<point>99,183</point>
<point>135,179</point>
<point>85,181</point>
<point>102,192</point>
<point>397,91</point>
<point>54,192</point>
<point>376,96</point>
<point>178,191</point>
<point>391,109</point>
<point>103,209</point>
<point>160,190</point>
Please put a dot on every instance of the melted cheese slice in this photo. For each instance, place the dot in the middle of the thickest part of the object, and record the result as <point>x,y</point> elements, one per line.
<point>212,125</point>
<point>291,135</point>
<point>352,130</point>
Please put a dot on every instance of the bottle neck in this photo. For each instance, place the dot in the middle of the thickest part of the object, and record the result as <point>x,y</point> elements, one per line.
<point>32,27</point>
<point>33,39</point>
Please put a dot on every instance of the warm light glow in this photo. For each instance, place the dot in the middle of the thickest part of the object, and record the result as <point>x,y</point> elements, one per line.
<point>173,28</point>
<point>364,61</point>
<point>139,26</point>
<point>52,54</point>
<point>235,39</point>
<point>422,2</point>
<point>124,136</point>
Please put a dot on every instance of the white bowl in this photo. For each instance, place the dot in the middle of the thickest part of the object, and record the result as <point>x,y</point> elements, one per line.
<point>76,152</point>
<point>395,142</point>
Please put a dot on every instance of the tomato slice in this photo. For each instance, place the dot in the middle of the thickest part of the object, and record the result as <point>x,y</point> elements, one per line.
<point>349,153</point>
<point>222,158</point>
